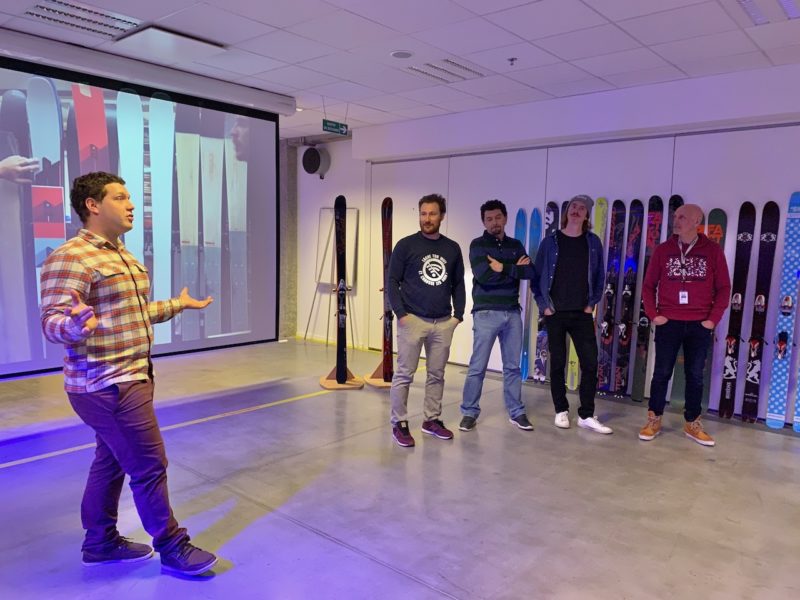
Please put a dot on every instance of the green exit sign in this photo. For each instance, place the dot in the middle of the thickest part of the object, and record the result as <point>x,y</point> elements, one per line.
<point>334,127</point>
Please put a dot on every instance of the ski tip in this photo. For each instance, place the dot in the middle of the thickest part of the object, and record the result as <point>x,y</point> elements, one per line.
<point>778,424</point>
<point>340,202</point>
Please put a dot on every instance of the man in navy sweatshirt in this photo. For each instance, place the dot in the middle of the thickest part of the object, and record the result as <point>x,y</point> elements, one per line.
<point>426,275</point>
<point>686,290</point>
<point>498,263</point>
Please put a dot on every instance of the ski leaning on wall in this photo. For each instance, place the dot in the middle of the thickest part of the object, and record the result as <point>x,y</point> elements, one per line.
<point>630,269</point>
<point>783,348</point>
<point>386,228</point>
<point>541,360</point>
<point>616,240</point>
<point>716,230</point>
<point>655,216</point>
<point>755,346</point>
<point>741,266</point>
<point>529,307</point>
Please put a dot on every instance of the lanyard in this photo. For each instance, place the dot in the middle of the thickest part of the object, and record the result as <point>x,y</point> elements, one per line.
<point>684,255</point>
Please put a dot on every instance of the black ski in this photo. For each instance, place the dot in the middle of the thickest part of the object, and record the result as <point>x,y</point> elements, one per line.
<point>625,326</point>
<point>386,224</point>
<point>741,266</point>
<point>616,238</point>
<point>655,217</point>
<point>340,218</point>
<point>770,219</point>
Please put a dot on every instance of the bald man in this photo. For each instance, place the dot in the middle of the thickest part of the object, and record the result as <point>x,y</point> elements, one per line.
<point>685,291</point>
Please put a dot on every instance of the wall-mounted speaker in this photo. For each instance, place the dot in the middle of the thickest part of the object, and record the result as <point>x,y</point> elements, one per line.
<point>316,161</point>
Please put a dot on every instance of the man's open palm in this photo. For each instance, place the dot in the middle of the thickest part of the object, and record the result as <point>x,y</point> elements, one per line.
<point>188,302</point>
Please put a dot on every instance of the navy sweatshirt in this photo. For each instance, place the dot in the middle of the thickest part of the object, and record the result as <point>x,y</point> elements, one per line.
<point>425,276</point>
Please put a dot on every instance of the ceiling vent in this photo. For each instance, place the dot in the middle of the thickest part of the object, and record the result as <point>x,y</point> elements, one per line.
<point>85,18</point>
<point>447,71</point>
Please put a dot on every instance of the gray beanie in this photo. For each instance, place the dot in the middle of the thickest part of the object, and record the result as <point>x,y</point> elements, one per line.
<point>585,200</point>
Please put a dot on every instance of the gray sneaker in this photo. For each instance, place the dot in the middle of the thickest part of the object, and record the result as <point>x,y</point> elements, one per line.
<point>123,551</point>
<point>522,422</point>
<point>187,559</point>
<point>467,423</point>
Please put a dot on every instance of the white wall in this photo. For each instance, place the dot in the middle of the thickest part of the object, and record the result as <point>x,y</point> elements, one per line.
<point>347,177</point>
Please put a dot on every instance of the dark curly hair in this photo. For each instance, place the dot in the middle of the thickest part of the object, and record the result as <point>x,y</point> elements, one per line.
<point>434,199</point>
<point>493,205</point>
<point>91,185</point>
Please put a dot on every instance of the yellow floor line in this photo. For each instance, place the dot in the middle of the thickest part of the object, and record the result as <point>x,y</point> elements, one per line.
<point>241,411</point>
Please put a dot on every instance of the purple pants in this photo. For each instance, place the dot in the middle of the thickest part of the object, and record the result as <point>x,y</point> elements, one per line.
<point>128,442</point>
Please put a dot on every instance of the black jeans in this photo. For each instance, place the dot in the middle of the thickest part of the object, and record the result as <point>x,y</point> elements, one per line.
<point>580,327</point>
<point>695,340</point>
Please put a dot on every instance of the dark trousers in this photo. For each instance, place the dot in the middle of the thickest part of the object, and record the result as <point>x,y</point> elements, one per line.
<point>669,338</point>
<point>128,441</point>
<point>580,327</point>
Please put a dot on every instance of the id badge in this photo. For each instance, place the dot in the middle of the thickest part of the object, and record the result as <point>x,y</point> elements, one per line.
<point>683,297</point>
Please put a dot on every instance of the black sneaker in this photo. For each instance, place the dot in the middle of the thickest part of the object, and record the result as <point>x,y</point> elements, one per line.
<point>467,423</point>
<point>187,560</point>
<point>521,422</point>
<point>125,551</point>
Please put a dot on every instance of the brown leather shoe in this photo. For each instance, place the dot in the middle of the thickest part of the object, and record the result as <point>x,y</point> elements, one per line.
<point>652,428</point>
<point>694,430</point>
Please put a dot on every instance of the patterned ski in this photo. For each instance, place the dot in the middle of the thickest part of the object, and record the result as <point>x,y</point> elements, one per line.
<point>741,266</point>
<point>716,230</point>
<point>677,383</point>
<point>529,307</point>
<point>600,219</point>
<point>784,328</point>
<point>161,143</point>
<point>655,216</point>
<point>631,271</point>
<point>212,160</point>
<point>540,364</point>
<point>47,191</point>
<point>770,220</point>
<point>187,163</point>
<point>388,315</point>
<point>17,240</point>
<point>90,120</point>
<point>340,224</point>
<point>616,240</point>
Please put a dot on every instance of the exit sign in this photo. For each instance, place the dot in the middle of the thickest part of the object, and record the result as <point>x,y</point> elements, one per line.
<point>334,127</point>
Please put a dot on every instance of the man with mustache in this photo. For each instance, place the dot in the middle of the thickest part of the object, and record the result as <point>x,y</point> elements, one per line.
<point>567,284</point>
<point>426,291</point>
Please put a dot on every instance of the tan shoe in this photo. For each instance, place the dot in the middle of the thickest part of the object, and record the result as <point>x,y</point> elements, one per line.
<point>694,430</point>
<point>653,427</point>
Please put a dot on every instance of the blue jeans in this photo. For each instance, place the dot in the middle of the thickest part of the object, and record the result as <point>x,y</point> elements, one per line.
<point>487,326</point>
<point>669,338</point>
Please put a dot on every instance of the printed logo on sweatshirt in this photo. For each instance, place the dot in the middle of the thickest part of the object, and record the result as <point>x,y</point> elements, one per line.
<point>434,270</point>
<point>696,267</point>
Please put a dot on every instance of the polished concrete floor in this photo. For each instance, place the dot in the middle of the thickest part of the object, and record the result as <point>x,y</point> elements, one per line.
<point>303,495</point>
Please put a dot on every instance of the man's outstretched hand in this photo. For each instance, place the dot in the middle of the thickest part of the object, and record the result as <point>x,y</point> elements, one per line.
<point>82,316</point>
<point>188,302</point>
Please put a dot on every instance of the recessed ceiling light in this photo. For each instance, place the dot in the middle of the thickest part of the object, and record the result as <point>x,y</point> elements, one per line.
<point>402,54</point>
<point>298,109</point>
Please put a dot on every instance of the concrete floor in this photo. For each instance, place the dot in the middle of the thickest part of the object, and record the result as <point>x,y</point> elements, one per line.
<point>303,495</point>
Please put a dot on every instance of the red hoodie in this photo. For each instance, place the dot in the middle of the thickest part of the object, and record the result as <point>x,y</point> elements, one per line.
<point>707,282</point>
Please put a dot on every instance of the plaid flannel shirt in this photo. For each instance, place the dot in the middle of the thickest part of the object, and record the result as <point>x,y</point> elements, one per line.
<point>117,287</point>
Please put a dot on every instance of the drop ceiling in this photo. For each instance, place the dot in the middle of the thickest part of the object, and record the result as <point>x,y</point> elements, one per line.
<point>334,56</point>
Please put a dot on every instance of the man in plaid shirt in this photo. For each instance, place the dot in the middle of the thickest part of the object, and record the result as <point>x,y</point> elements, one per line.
<point>95,301</point>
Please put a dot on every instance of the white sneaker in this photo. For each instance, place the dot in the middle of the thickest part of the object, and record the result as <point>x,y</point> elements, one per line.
<point>562,420</point>
<point>595,425</point>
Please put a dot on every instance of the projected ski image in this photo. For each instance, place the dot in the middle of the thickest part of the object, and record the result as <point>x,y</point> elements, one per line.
<point>212,125</point>
<point>237,147</point>
<point>186,169</point>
